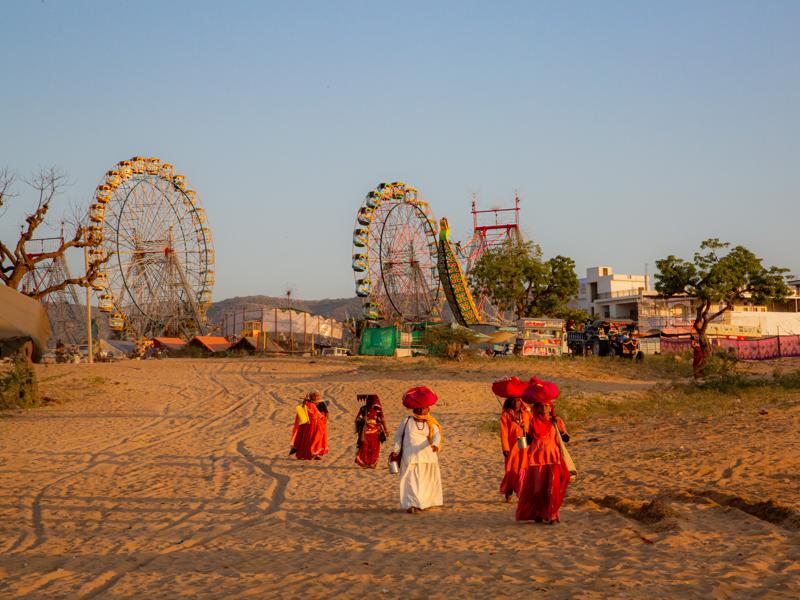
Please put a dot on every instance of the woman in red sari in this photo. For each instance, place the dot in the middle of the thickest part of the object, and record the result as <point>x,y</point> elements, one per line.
<point>545,480</point>
<point>310,433</point>
<point>514,422</point>
<point>371,429</point>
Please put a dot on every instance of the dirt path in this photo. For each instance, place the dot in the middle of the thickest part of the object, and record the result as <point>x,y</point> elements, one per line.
<point>167,479</point>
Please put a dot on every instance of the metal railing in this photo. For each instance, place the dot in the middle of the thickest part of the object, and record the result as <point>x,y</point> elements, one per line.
<point>620,293</point>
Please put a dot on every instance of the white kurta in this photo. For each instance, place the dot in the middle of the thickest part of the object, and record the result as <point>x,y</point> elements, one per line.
<point>420,480</point>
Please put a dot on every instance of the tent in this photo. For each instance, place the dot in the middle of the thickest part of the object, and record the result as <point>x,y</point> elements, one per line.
<point>210,343</point>
<point>172,344</point>
<point>22,319</point>
<point>111,350</point>
<point>251,344</point>
<point>123,346</point>
<point>247,344</point>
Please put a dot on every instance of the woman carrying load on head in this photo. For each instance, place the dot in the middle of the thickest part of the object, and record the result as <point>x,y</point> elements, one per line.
<point>417,442</point>
<point>545,480</point>
<point>513,425</point>
<point>310,432</point>
<point>372,431</point>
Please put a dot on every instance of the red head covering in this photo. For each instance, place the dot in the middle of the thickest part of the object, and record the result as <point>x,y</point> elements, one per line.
<point>419,397</point>
<point>509,387</point>
<point>373,400</point>
<point>540,392</point>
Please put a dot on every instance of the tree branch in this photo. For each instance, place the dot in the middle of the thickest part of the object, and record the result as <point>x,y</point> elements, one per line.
<point>85,281</point>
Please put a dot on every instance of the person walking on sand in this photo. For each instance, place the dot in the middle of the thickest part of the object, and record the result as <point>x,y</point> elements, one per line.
<point>371,430</point>
<point>310,432</point>
<point>545,480</point>
<point>417,443</point>
<point>514,422</point>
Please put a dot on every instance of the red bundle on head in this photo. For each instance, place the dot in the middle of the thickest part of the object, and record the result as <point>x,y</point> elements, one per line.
<point>419,397</point>
<point>509,387</point>
<point>540,392</point>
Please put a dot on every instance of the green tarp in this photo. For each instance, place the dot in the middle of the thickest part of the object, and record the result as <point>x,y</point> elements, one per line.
<point>378,341</point>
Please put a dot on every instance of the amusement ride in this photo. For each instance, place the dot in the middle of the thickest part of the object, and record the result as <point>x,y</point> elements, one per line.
<point>404,264</point>
<point>62,305</point>
<point>158,279</point>
<point>394,255</point>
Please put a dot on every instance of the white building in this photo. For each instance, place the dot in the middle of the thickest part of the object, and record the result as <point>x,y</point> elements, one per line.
<point>605,294</point>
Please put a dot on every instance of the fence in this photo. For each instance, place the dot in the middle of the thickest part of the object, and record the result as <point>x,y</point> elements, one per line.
<point>285,325</point>
<point>779,346</point>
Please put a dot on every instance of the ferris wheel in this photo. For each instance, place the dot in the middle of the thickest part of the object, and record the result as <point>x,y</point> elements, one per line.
<point>394,255</point>
<point>159,278</point>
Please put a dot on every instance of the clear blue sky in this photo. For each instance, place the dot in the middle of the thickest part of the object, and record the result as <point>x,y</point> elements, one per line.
<point>632,130</point>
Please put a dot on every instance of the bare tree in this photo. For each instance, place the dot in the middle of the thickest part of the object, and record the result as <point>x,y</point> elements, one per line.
<point>15,261</point>
<point>7,179</point>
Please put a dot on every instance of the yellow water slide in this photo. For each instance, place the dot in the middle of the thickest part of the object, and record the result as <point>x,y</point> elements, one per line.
<point>454,282</point>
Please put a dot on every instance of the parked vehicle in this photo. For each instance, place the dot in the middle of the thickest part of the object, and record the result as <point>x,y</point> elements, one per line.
<point>334,351</point>
<point>606,337</point>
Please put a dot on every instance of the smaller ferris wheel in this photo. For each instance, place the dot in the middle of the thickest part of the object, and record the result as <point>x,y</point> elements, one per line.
<point>395,254</point>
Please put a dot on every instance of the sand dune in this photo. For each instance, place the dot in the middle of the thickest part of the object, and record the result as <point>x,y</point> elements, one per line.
<point>171,479</point>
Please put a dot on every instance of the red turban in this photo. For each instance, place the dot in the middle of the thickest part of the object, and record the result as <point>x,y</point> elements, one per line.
<point>419,397</point>
<point>540,392</point>
<point>509,387</point>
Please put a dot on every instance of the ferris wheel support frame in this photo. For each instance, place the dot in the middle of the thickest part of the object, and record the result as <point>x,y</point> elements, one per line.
<point>189,295</point>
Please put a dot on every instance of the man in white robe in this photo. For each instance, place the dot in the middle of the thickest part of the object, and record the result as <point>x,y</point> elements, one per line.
<point>420,479</point>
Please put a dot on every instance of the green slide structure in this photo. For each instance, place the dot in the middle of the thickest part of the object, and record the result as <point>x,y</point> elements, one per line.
<point>453,281</point>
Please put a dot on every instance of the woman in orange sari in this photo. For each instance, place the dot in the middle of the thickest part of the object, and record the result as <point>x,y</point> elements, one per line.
<point>371,429</point>
<point>310,434</point>
<point>514,422</point>
<point>545,480</point>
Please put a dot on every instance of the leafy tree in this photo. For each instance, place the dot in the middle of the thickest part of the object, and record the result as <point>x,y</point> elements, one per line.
<point>516,278</point>
<point>719,280</point>
<point>574,314</point>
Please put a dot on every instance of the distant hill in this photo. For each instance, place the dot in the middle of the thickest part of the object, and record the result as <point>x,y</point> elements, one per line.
<point>335,308</point>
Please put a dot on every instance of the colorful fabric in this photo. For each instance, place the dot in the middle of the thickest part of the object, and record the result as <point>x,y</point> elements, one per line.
<point>419,397</point>
<point>509,387</point>
<point>513,425</point>
<point>310,440</point>
<point>543,488</point>
<point>543,483</point>
<point>544,448</point>
<point>783,346</point>
<point>540,392</point>
<point>371,429</point>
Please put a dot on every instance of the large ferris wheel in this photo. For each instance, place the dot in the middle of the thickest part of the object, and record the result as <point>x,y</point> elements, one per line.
<point>159,276</point>
<point>394,255</point>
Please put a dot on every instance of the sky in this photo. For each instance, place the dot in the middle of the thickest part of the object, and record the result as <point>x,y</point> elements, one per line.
<point>630,130</point>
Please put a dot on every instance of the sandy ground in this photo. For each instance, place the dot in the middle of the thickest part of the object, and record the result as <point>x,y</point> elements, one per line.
<point>171,479</point>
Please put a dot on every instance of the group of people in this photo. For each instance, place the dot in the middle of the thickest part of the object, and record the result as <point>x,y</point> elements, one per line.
<point>537,463</point>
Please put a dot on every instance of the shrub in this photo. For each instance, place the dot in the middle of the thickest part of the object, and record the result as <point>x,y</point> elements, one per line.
<point>448,342</point>
<point>18,387</point>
